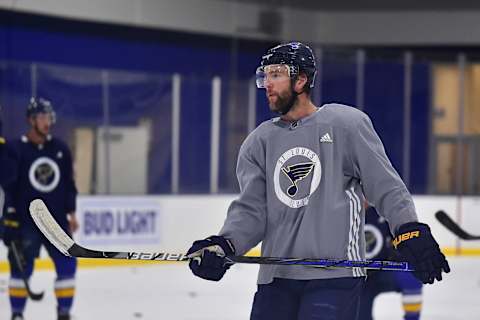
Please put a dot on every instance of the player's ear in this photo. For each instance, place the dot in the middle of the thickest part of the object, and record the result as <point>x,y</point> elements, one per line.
<point>301,82</point>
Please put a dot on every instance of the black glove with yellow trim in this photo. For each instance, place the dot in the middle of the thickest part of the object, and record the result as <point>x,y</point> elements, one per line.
<point>11,227</point>
<point>415,243</point>
<point>207,257</point>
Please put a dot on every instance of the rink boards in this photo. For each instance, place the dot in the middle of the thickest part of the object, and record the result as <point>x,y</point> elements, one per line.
<point>171,223</point>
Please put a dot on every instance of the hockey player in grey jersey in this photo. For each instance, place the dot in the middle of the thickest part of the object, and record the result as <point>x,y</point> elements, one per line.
<point>303,177</point>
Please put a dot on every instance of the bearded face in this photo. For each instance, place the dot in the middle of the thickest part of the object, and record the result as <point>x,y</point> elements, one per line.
<point>280,101</point>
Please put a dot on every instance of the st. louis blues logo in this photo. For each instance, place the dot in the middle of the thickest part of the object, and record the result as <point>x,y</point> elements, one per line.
<point>291,165</point>
<point>296,173</point>
<point>44,174</point>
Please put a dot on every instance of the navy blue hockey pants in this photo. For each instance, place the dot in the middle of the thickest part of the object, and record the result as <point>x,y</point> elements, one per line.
<point>392,281</point>
<point>319,299</point>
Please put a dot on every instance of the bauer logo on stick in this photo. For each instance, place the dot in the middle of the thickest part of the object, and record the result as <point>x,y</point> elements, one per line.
<point>160,256</point>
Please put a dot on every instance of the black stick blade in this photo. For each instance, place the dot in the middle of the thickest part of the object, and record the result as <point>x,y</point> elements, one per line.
<point>451,225</point>
<point>36,296</point>
<point>19,261</point>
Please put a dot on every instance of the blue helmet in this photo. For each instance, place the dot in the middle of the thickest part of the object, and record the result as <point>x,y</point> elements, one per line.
<point>40,105</point>
<point>298,56</point>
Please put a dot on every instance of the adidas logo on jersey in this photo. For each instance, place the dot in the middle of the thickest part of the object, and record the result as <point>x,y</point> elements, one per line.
<point>326,138</point>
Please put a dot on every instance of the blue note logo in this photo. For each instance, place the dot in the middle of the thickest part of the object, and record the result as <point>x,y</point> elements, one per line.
<point>44,174</point>
<point>302,163</point>
<point>296,173</point>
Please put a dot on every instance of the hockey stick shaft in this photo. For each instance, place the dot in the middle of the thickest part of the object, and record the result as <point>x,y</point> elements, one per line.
<point>81,252</point>
<point>55,234</point>
<point>451,225</point>
<point>325,263</point>
<point>18,261</point>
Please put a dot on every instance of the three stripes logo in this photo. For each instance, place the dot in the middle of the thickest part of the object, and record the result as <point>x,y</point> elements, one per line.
<point>326,138</point>
<point>353,250</point>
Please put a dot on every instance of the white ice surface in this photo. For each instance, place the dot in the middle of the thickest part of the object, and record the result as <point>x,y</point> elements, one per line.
<point>170,292</point>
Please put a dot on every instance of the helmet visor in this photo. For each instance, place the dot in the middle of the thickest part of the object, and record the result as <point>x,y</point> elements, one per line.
<point>45,112</point>
<point>49,117</point>
<point>271,73</point>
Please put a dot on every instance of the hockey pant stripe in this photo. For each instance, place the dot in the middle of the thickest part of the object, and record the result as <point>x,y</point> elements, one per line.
<point>65,293</point>
<point>412,308</point>
<point>411,298</point>
<point>65,283</point>
<point>18,295</point>
<point>17,292</point>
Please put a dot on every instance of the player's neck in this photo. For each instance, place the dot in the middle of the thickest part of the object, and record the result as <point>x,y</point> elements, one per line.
<point>36,137</point>
<point>302,108</point>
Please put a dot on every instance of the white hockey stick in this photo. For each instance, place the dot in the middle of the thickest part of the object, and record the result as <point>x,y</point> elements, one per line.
<point>59,238</point>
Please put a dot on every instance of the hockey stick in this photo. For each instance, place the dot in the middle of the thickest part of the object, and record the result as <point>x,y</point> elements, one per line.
<point>55,234</point>
<point>451,225</point>
<point>18,257</point>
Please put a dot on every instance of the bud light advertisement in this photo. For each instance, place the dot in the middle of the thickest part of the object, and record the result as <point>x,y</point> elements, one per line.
<point>118,221</point>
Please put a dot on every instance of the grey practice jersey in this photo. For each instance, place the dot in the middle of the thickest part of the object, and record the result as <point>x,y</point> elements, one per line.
<point>302,187</point>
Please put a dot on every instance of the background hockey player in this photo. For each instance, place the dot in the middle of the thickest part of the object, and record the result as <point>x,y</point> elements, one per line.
<point>379,247</point>
<point>302,178</point>
<point>7,171</point>
<point>44,166</point>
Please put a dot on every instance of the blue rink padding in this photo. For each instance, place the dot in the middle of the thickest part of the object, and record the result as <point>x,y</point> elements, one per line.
<point>86,53</point>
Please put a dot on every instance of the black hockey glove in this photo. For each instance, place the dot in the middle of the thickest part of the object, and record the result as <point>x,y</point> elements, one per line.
<point>208,257</point>
<point>415,243</point>
<point>11,227</point>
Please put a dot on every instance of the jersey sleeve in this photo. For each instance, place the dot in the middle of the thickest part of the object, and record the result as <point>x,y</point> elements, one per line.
<point>71,189</point>
<point>12,157</point>
<point>381,183</point>
<point>8,169</point>
<point>246,218</point>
